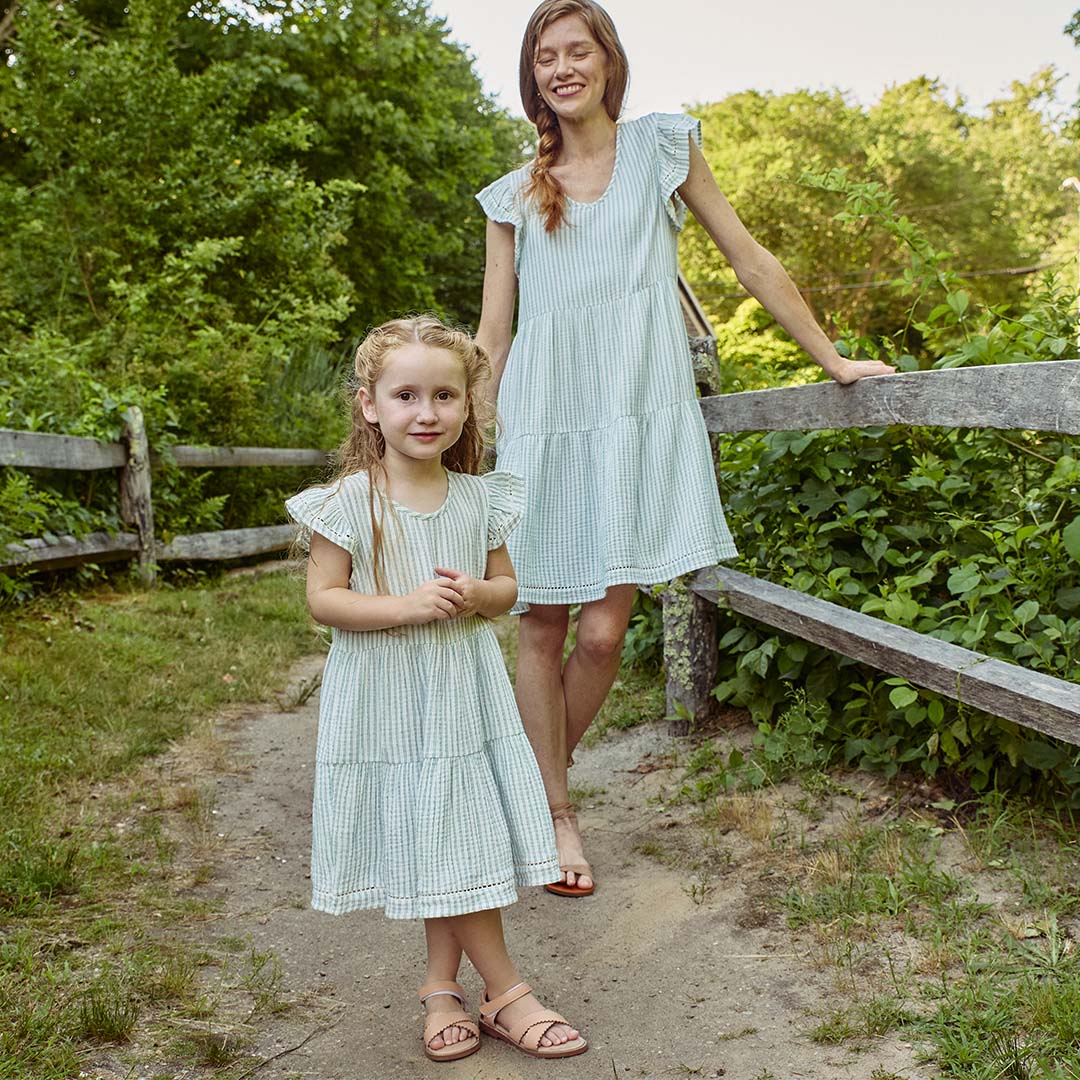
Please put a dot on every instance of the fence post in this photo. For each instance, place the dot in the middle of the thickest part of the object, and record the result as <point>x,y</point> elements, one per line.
<point>690,659</point>
<point>135,506</point>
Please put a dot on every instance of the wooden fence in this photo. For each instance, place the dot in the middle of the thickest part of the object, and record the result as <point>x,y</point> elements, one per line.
<point>1036,397</point>
<point>132,457</point>
<point>1040,397</point>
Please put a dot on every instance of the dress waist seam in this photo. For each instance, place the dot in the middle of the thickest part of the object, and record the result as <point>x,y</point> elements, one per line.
<point>652,414</point>
<point>559,309</point>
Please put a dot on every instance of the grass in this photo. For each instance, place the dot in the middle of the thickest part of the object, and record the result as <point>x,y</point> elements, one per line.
<point>951,926</point>
<point>93,899</point>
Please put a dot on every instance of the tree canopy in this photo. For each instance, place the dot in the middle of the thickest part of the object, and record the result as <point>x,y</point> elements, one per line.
<point>981,187</point>
<point>203,210</point>
<point>181,185</point>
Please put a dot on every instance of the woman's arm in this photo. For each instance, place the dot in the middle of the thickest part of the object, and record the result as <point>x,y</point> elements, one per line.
<point>760,273</point>
<point>497,311</point>
<point>332,603</point>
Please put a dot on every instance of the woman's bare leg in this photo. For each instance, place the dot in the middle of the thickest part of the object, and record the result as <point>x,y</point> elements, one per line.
<point>558,703</point>
<point>539,692</point>
<point>480,934</point>
<point>592,666</point>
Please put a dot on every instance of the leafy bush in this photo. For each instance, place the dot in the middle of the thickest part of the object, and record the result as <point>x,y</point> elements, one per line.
<point>203,208</point>
<point>972,537</point>
<point>969,536</point>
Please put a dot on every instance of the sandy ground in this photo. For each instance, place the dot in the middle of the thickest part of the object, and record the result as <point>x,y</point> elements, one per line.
<point>665,982</point>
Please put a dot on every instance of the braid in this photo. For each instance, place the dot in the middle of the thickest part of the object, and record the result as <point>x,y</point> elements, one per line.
<point>542,186</point>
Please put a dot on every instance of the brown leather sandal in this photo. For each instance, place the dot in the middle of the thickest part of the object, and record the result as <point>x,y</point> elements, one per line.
<point>437,1023</point>
<point>565,812</point>
<point>526,1034</point>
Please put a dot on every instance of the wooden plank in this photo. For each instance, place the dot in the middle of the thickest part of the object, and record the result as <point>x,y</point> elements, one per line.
<point>1030,698</point>
<point>227,544</point>
<point>222,457</point>
<point>1034,397</point>
<point>67,551</point>
<point>135,505</point>
<point>32,450</point>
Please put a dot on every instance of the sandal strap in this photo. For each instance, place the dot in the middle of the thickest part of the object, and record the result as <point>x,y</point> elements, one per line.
<point>532,1028</point>
<point>447,986</point>
<point>576,868</point>
<point>437,1023</point>
<point>563,812</point>
<point>489,1007</point>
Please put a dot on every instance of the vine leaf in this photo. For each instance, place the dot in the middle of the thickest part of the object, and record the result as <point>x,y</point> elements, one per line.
<point>1071,537</point>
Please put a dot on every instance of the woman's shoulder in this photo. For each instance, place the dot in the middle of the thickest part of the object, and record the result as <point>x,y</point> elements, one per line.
<point>501,200</point>
<point>509,183</point>
<point>658,125</point>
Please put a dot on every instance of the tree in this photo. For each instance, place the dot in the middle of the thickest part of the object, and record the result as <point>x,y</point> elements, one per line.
<point>203,210</point>
<point>983,188</point>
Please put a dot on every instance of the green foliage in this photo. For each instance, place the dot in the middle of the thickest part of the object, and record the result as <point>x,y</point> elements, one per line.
<point>107,1013</point>
<point>643,647</point>
<point>203,209</point>
<point>969,536</point>
<point>983,189</point>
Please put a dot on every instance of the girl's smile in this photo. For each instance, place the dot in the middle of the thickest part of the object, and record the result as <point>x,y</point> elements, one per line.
<point>420,403</point>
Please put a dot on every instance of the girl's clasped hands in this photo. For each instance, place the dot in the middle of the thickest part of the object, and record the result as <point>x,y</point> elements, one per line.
<point>452,595</point>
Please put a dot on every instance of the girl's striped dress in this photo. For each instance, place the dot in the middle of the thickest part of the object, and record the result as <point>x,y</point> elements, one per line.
<point>428,799</point>
<point>598,401</point>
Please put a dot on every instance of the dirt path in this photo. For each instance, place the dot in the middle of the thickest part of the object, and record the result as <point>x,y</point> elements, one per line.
<point>664,981</point>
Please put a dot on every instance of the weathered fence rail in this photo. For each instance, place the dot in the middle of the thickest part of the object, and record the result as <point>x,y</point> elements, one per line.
<point>1034,397</point>
<point>134,459</point>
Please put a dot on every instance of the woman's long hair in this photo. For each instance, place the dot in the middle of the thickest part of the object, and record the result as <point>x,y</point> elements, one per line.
<point>542,186</point>
<point>364,448</point>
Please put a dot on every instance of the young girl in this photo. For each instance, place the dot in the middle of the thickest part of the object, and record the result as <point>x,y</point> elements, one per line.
<point>428,801</point>
<point>598,401</point>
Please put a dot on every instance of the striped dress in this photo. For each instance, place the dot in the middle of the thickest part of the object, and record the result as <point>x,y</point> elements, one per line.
<point>428,799</point>
<point>598,401</point>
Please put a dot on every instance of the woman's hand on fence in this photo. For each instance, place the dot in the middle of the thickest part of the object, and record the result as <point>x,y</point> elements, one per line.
<point>845,371</point>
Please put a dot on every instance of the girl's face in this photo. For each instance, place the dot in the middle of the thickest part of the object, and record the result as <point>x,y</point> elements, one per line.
<point>571,69</point>
<point>420,402</point>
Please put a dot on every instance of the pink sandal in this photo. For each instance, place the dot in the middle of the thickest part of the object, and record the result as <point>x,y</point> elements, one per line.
<point>527,1032</point>
<point>437,1023</point>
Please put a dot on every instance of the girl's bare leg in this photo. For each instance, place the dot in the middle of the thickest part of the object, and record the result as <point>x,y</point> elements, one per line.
<point>557,702</point>
<point>443,961</point>
<point>480,934</point>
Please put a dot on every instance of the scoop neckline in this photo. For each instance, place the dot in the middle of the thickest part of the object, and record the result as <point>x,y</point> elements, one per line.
<point>426,513</point>
<point>611,182</point>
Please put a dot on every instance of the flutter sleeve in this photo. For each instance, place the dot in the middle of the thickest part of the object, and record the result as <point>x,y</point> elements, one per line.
<point>673,134</point>
<point>500,201</point>
<point>506,501</point>
<point>320,510</point>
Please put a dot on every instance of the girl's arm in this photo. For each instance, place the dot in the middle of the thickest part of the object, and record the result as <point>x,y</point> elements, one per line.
<point>332,603</point>
<point>760,273</point>
<point>497,310</point>
<point>492,597</point>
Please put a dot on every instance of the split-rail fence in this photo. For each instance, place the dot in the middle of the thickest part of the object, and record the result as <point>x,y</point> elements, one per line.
<point>1035,397</point>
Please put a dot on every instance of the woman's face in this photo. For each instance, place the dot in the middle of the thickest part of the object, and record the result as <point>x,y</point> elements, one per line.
<point>571,69</point>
